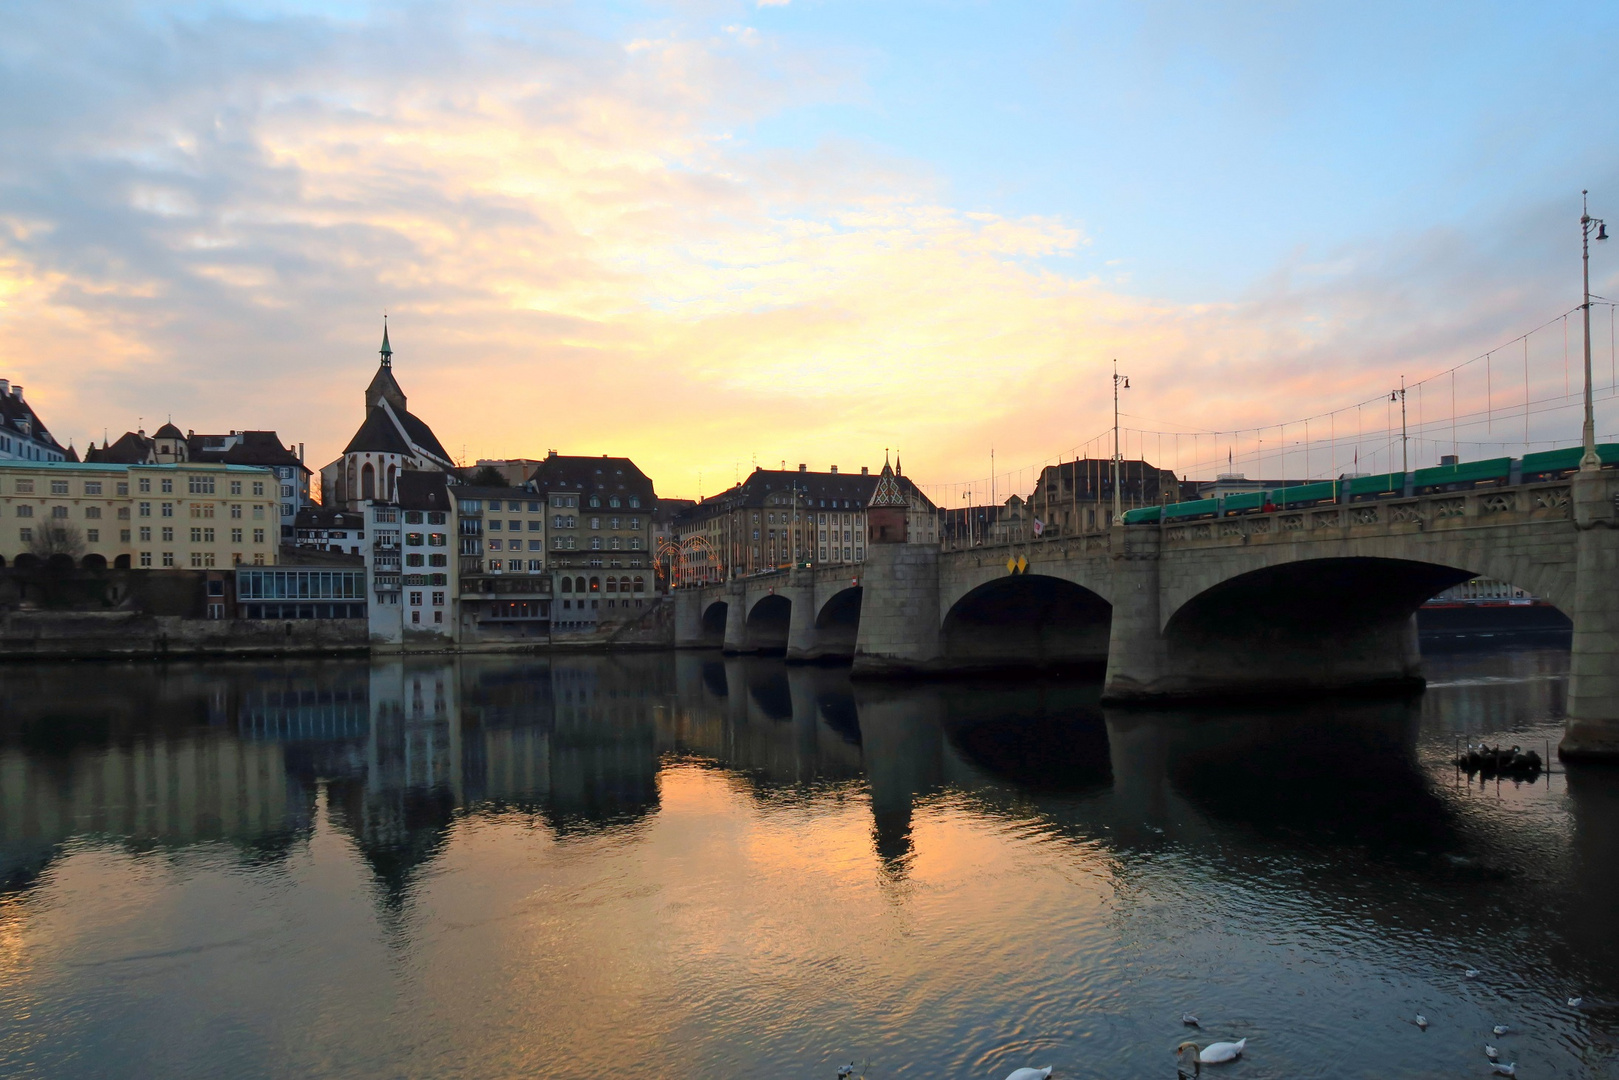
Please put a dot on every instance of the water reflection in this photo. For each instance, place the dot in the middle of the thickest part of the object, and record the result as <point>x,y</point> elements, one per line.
<point>1335,832</point>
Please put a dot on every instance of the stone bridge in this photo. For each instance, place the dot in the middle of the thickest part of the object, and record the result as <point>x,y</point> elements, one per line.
<point>1321,599</point>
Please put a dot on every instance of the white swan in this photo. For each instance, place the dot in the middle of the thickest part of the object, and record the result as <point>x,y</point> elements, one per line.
<point>1218,1053</point>
<point>1030,1074</point>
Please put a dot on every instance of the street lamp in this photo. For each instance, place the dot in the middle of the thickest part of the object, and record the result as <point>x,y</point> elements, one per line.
<point>1119,381</point>
<point>1589,459</point>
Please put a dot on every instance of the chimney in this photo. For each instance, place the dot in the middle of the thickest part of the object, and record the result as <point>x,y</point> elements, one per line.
<point>5,387</point>
<point>803,467</point>
<point>865,470</point>
<point>834,470</point>
<point>300,453</point>
<point>16,391</point>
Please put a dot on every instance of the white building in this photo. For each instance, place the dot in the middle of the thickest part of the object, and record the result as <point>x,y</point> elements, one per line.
<point>22,436</point>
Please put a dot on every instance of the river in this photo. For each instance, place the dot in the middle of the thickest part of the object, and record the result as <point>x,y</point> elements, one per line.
<point>680,865</point>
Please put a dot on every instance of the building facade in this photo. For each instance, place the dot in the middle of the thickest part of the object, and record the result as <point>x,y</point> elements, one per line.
<point>23,436</point>
<point>776,518</point>
<point>505,586</point>
<point>1077,496</point>
<point>409,563</point>
<point>150,517</point>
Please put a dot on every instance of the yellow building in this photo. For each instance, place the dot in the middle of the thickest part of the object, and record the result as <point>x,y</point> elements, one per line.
<point>184,515</point>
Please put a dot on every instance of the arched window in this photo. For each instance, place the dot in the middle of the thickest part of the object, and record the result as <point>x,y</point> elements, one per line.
<point>595,500</point>
<point>368,482</point>
<point>595,584</point>
<point>635,502</point>
<point>392,476</point>
<point>613,502</point>
<point>612,584</point>
<point>567,585</point>
<point>640,583</point>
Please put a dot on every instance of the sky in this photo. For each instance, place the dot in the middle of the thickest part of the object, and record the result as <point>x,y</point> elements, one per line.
<point>710,234</point>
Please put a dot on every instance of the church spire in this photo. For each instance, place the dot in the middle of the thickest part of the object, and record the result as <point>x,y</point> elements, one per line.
<point>387,350</point>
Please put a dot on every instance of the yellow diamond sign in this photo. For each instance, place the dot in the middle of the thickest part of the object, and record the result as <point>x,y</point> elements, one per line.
<point>1011,566</point>
<point>1022,564</point>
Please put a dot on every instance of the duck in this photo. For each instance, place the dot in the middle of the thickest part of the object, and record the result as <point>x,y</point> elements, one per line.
<point>1471,973</point>
<point>1499,1030</point>
<point>1221,1052</point>
<point>1421,1022</point>
<point>845,1071</point>
<point>1030,1074</point>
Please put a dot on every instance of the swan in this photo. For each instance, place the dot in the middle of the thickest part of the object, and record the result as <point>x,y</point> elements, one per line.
<point>1189,1020</point>
<point>1030,1074</point>
<point>1509,1069</point>
<point>1422,1022</point>
<point>1218,1053</point>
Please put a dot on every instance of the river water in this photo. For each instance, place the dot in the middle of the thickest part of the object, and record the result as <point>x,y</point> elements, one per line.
<point>677,865</point>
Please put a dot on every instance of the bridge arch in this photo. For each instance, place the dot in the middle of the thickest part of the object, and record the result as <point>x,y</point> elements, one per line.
<point>768,621</point>
<point>713,623</point>
<point>1027,620</point>
<point>1323,622</point>
<point>837,622</point>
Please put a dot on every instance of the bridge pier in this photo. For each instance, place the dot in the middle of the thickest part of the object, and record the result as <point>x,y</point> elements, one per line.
<point>736,619</point>
<point>899,617</point>
<point>688,618</point>
<point>1591,732</point>
<point>802,637</point>
<point>1137,660</point>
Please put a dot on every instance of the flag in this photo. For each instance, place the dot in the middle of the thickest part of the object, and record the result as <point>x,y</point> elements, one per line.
<point>1039,527</point>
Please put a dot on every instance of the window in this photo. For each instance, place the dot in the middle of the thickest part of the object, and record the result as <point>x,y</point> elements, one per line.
<point>58,511</point>
<point>535,565</point>
<point>415,559</point>
<point>413,517</point>
<point>200,485</point>
<point>595,543</point>
<point>435,517</point>
<point>494,524</point>
<point>535,525</point>
<point>123,513</point>
<point>438,539</point>
<point>92,487</point>
<point>416,617</point>
<point>258,513</point>
<point>635,502</point>
<point>438,560</point>
<point>236,536</point>
<point>495,565</point>
<point>635,523</point>
<point>168,532</point>
<point>58,487</point>
<point>514,526</point>
<point>613,502</point>
<point>167,485</point>
<point>534,508</point>
<point>168,556</point>
<point>416,599</point>
<point>614,523</point>
<point>556,542</point>
<point>93,535</point>
<point>595,523</point>
<point>635,543</point>
<point>25,511</point>
<point>258,487</point>
<point>287,509</point>
<point>146,532</point>
<point>236,511</point>
<point>146,556</point>
<point>494,504</point>
<point>202,510</point>
<point>168,509</point>
<point>494,545</point>
<point>286,491</point>
<point>235,487</point>
<point>258,536</point>
<point>536,545</point>
<point>595,501</point>
<point>414,539</point>
<point>438,599</point>
<point>144,484</point>
<point>25,535</point>
<point>556,522</point>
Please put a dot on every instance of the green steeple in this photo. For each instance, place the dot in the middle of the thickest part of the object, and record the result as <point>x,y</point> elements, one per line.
<point>387,350</point>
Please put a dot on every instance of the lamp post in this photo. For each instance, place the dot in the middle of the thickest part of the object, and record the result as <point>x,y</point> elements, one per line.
<point>1118,496</point>
<point>1405,462</point>
<point>1589,459</point>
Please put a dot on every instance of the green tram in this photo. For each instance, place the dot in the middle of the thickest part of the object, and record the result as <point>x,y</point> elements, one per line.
<point>1464,476</point>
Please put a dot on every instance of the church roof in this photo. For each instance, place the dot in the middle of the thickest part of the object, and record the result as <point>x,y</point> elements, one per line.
<point>378,435</point>
<point>422,435</point>
<point>169,431</point>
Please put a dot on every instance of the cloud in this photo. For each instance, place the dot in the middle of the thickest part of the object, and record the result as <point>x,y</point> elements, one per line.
<point>581,247</point>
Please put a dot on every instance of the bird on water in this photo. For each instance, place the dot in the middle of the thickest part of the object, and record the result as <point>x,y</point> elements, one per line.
<point>1030,1074</point>
<point>1421,1022</point>
<point>1189,1020</point>
<point>1188,1066</point>
<point>1222,1052</point>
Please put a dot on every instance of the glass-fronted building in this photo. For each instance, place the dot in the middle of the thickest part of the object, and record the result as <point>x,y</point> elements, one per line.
<point>300,593</point>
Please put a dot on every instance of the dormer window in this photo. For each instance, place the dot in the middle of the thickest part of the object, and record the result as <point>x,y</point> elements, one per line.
<point>613,502</point>
<point>595,501</point>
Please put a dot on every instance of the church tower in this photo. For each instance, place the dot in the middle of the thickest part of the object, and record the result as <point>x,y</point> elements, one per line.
<point>887,515</point>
